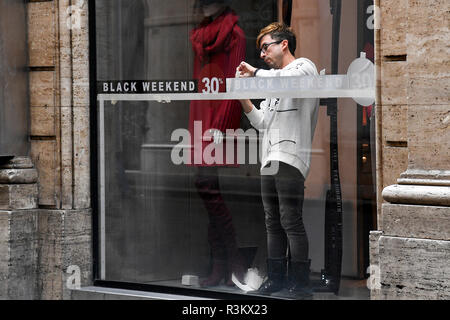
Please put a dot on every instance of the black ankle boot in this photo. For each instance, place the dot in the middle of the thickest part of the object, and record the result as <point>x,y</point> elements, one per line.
<point>298,280</point>
<point>276,272</point>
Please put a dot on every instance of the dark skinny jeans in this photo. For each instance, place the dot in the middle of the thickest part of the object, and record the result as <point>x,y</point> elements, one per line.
<point>282,195</point>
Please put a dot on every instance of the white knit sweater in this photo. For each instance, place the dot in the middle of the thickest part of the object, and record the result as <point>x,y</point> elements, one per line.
<point>287,124</point>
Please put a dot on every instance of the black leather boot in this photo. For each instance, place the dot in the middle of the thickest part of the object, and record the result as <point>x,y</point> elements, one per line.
<point>298,280</point>
<point>276,273</point>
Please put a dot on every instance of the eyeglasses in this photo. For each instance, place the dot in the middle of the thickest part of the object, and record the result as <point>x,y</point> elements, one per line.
<point>266,45</point>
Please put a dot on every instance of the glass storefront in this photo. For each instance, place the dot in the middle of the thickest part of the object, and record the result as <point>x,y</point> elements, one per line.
<point>168,216</point>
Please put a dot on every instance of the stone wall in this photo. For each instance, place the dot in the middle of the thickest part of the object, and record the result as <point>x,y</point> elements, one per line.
<point>412,248</point>
<point>392,105</point>
<point>44,239</point>
<point>37,247</point>
<point>59,89</point>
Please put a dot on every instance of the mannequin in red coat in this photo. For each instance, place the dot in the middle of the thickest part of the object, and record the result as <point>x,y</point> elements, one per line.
<point>219,46</point>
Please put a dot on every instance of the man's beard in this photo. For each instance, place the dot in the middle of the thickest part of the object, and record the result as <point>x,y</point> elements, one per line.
<point>272,64</point>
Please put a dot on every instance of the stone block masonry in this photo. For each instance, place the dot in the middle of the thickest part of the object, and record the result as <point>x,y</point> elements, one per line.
<point>36,249</point>
<point>411,248</point>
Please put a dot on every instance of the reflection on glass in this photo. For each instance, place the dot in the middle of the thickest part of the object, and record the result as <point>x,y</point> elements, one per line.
<point>219,46</point>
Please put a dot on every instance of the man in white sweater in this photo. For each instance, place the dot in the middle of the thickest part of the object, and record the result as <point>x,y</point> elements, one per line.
<point>288,128</point>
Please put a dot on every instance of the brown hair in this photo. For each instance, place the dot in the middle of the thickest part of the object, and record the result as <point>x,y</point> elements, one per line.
<point>278,31</point>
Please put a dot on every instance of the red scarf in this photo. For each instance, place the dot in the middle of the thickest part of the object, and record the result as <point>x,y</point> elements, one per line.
<point>215,36</point>
<point>219,46</point>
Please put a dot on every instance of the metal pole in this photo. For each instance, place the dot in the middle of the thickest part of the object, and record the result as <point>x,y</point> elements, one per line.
<point>331,275</point>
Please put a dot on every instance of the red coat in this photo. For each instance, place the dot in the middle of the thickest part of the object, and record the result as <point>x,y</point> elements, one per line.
<point>219,47</point>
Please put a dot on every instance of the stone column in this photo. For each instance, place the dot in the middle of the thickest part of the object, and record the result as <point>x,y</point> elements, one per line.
<point>18,184</point>
<point>58,49</point>
<point>414,248</point>
<point>18,245</point>
<point>38,245</point>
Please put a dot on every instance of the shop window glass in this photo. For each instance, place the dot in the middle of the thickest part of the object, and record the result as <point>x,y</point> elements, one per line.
<point>173,211</point>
